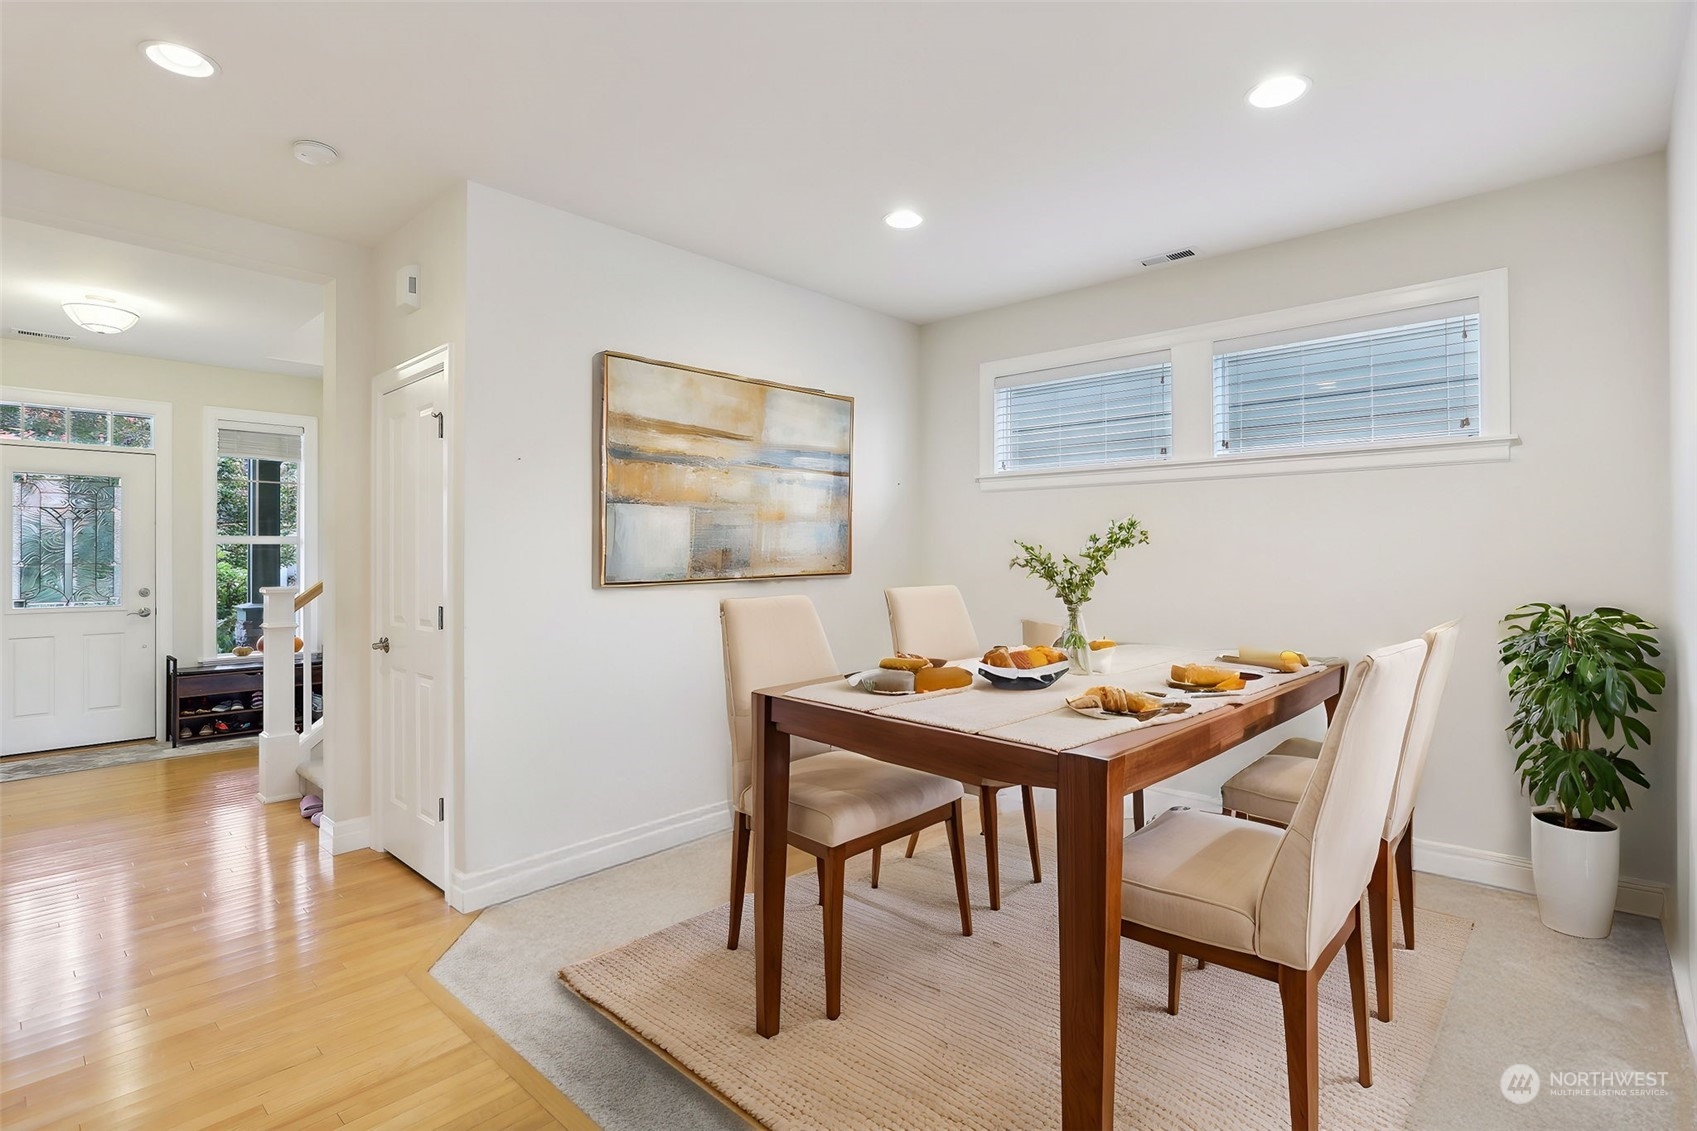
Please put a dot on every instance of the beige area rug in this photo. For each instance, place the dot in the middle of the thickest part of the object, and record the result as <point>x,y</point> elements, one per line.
<point>943,1031</point>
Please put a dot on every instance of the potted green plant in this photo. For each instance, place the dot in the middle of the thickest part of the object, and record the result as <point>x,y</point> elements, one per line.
<point>1575,682</point>
<point>1074,579</point>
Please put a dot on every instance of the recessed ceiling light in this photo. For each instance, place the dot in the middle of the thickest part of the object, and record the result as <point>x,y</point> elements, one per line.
<point>179,60</point>
<point>904,218</point>
<point>309,152</point>
<point>100,315</point>
<point>1280,90</point>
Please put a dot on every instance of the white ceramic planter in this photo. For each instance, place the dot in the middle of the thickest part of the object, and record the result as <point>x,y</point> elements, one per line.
<point>1576,873</point>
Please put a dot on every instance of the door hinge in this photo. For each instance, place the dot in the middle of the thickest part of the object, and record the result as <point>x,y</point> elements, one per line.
<point>441,808</point>
<point>439,418</point>
<point>438,618</point>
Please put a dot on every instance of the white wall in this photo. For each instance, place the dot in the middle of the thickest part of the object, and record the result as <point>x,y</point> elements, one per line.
<point>1346,561</point>
<point>595,719</point>
<point>1682,281</point>
<point>188,389</point>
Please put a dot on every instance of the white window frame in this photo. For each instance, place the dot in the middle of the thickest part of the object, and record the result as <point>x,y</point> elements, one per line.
<point>1193,349</point>
<point>259,421</point>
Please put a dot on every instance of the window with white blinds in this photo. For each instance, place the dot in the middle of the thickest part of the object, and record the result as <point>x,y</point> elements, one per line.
<point>1094,415</point>
<point>1391,378</point>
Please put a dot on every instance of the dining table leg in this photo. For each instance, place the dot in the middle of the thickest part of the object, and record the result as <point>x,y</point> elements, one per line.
<point>1090,826</point>
<point>771,835</point>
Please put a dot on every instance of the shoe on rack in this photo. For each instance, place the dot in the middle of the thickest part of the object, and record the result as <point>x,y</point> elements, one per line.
<point>205,730</point>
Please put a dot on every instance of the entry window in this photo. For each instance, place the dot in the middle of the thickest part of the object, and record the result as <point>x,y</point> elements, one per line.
<point>85,427</point>
<point>65,541</point>
<point>257,538</point>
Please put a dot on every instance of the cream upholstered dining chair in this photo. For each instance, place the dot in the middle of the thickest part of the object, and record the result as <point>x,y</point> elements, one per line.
<point>1269,788</point>
<point>841,803</point>
<point>931,620</point>
<point>1279,904</point>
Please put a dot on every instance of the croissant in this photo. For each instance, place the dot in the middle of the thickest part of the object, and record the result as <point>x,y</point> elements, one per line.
<point>1123,702</point>
<point>904,663</point>
<point>997,657</point>
<point>1046,654</point>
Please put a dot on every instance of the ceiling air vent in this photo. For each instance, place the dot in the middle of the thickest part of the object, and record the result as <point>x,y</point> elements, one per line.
<point>41,334</point>
<point>1169,257</point>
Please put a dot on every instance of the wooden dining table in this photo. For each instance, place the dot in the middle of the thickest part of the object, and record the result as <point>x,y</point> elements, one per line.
<point>1090,782</point>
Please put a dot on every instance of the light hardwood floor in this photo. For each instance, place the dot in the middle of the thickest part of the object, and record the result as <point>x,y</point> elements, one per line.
<point>175,955</point>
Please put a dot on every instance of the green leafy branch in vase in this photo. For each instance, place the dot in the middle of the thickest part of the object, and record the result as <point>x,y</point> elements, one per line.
<point>1074,579</point>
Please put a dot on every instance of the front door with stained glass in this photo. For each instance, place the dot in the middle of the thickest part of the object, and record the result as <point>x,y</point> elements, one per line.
<point>77,632</point>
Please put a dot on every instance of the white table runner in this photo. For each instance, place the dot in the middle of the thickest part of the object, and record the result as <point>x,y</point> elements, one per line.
<point>1041,717</point>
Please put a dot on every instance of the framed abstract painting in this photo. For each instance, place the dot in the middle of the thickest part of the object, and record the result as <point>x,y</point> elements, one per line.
<point>708,476</point>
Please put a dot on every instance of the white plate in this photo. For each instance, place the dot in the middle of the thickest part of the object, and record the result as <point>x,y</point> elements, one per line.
<point>854,681</point>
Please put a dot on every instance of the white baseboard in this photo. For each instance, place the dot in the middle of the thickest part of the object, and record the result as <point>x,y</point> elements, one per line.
<point>1458,862</point>
<point>472,891</point>
<point>1499,870</point>
<point>264,800</point>
<point>346,835</point>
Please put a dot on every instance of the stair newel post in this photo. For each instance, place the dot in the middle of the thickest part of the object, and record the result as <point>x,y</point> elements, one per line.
<point>279,745</point>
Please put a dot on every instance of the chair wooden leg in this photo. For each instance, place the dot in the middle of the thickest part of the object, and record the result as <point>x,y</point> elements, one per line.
<point>957,855</point>
<point>1357,958</point>
<point>877,860</point>
<point>1405,882</point>
<point>1299,994</point>
<point>1028,798</point>
<point>1379,903</point>
<point>992,862</point>
<point>1137,809</point>
<point>819,870</point>
<point>1175,976</point>
<point>832,867</point>
<point>912,843</point>
<point>740,838</point>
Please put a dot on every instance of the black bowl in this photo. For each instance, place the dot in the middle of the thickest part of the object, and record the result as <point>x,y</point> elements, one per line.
<point>1029,681</point>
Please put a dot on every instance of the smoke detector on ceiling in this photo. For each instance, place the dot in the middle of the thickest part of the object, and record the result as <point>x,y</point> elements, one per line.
<point>309,152</point>
<point>1169,257</point>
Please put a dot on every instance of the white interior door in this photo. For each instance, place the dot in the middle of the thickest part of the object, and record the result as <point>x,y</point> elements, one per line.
<point>410,716</point>
<point>77,635</point>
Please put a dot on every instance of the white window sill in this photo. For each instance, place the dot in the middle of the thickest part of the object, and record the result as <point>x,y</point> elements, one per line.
<point>1474,449</point>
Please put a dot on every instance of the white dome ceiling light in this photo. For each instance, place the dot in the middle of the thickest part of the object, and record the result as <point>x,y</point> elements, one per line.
<point>100,315</point>
<point>309,152</point>
<point>1280,90</point>
<point>179,60</point>
<point>904,218</point>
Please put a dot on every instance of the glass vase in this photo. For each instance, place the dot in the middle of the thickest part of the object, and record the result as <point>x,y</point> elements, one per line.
<point>1075,642</point>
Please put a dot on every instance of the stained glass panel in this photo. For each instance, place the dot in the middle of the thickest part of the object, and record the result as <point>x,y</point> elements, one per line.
<point>65,540</point>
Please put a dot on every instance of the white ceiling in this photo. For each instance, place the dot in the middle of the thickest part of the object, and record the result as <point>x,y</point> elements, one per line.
<point>1048,145</point>
<point>191,310</point>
